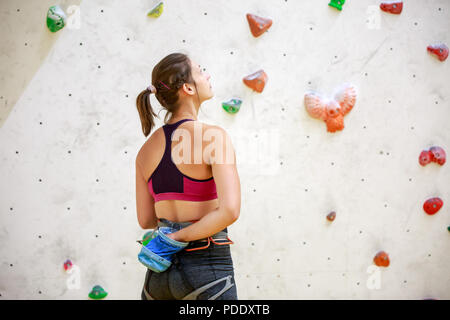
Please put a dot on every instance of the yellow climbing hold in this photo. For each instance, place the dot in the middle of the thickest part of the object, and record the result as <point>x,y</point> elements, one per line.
<point>156,11</point>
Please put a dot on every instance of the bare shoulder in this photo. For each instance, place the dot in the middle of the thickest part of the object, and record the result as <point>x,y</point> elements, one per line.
<point>215,129</point>
<point>219,138</point>
<point>206,128</point>
<point>219,131</point>
<point>196,123</point>
<point>212,132</point>
<point>214,137</point>
<point>152,143</point>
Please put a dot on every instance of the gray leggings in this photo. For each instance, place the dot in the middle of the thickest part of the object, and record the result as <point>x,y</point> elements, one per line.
<point>205,274</point>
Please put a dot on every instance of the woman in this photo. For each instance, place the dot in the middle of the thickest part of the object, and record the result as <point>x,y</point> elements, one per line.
<point>199,196</point>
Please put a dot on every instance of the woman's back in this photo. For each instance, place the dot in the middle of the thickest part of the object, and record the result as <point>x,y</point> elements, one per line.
<point>198,173</point>
<point>186,191</point>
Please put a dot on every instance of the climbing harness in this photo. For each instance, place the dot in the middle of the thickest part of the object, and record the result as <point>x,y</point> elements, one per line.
<point>220,238</point>
<point>221,235</point>
<point>194,294</point>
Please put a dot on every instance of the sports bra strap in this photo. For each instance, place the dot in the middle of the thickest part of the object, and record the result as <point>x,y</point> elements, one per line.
<point>168,130</point>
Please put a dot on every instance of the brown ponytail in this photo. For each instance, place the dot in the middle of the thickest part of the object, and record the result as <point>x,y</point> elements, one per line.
<point>168,76</point>
<point>146,112</point>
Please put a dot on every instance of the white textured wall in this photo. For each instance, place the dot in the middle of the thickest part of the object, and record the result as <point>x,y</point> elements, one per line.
<point>71,132</point>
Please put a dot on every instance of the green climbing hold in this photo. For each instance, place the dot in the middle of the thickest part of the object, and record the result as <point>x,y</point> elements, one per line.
<point>149,236</point>
<point>232,106</point>
<point>448,228</point>
<point>337,4</point>
<point>97,293</point>
<point>156,11</point>
<point>56,18</point>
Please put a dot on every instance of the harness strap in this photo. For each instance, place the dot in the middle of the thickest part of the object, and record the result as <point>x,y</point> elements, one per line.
<point>147,295</point>
<point>194,294</point>
<point>221,235</point>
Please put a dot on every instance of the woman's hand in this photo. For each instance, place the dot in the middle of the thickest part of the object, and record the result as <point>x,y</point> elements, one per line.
<point>174,236</point>
<point>171,236</point>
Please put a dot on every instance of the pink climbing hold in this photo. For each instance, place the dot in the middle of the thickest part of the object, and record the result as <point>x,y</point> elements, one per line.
<point>440,50</point>
<point>394,7</point>
<point>434,154</point>
<point>67,265</point>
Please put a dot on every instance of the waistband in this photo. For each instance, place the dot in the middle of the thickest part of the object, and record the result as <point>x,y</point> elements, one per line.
<point>180,225</point>
<point>219,238</point>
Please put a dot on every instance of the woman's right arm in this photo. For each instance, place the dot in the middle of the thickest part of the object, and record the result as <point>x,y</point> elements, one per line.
<point>228,189</point>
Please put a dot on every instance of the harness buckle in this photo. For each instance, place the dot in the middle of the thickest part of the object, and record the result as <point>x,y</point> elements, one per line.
<point>199,248</point>
<point>222,243</point>
<point>211,239</point>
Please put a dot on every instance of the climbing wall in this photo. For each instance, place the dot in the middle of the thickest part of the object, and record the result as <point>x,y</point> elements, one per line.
<point>338,114</point>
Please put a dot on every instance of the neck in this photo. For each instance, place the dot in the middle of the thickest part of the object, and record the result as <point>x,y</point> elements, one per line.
<point>179,118</point>
<point>185,112</point>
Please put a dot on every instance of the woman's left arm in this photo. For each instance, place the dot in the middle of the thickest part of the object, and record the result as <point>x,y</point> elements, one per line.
<point>145,204</point>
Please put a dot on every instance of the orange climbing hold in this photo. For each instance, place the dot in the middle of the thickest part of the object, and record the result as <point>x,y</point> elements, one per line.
<point>381,259</point>
<point>331,216</point>
<point>332,111</point>
<point>258,25</point>
<point>440,50</point>
<point>256,81</point>
<point>394,7</point>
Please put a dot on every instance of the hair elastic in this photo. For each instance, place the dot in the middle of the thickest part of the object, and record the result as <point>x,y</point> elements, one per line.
<point>164,84</point>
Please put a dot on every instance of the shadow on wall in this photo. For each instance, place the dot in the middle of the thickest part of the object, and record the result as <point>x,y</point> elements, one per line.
<point>26,42</point>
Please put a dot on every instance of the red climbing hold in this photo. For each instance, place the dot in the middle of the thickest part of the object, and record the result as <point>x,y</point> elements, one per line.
<point>394,7</point>
<point>435,154</point>
<point>381,259</point>
<point>67,264</point>
<point>331,216</point>
<point>258,25</point>
<point>256,80</point>
<point>440,50</point>
<point>432,205</point>
<point>425,157</point>
<point>438,154</point>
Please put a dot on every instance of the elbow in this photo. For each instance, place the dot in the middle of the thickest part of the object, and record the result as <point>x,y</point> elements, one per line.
<point>236,214</point>
<point>232,213</point>
<point>142,225</point>
<point>147,225</point>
